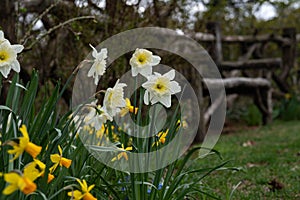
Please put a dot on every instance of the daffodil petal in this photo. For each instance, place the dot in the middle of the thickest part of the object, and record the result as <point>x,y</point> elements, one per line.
<point>146,71</point>
<point>91,72</point>
<point>155,60</point>
<point>55,158</point>
<point>1,36</point>
<point>12,177</point>
<point>76,194</point>
<point>166,101</point>
<point>170,74</point>
<point>91,187</point>
<point>10,189</point>
<point>60,150</point>
<point>5,70</point>
<point>17,48</point>
<point>15,65</point>
<point>174,87</point>
<point>134,71</point>
<point>24,132</point>
<point>146,98</point>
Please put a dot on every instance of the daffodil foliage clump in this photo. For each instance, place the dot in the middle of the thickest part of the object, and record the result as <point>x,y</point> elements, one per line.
<point>43,154</point>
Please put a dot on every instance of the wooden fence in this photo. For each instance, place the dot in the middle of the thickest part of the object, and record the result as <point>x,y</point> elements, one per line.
<point>270,72</point>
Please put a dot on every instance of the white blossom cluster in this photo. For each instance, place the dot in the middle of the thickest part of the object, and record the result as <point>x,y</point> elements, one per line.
<point>159,88</point>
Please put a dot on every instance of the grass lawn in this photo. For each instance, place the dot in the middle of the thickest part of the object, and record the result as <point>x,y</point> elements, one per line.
<point>269,158</point>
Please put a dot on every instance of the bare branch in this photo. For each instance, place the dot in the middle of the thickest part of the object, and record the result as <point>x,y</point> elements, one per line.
<point>57,27</point>
<point>27,34</point>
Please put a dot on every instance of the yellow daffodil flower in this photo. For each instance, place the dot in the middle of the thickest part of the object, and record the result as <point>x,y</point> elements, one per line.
<point>84,193</point>
<point>128,108</point>
<point>22,182</point>
<point>58,159</point>
<point>36,169</point>
<point>123,153</point>
<point>161,137</point>
<point>22,144</point>
<point>182,124</point>
<point>50,178</point>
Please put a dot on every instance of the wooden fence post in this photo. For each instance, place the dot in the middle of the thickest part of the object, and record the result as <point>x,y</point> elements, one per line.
<point>216,51</point>
<point>288,56</point>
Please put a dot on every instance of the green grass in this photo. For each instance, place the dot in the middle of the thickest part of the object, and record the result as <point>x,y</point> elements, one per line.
<point>274,154</point>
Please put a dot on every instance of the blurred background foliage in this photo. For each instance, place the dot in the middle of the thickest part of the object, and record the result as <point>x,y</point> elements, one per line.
<point>56,37</point>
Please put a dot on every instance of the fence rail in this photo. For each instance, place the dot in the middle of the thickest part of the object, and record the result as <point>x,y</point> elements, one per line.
<point>208,37</point>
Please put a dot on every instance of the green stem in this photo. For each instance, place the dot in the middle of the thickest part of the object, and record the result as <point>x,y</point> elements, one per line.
<point>59,191</point>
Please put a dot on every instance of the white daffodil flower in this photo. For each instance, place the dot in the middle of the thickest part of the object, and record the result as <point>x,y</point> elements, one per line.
<point>97,116</point>
<point>99,64</point>
<point>159,88</point>
<point>114,99</point>
<point>8,56</point>
<point>142,62</point>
